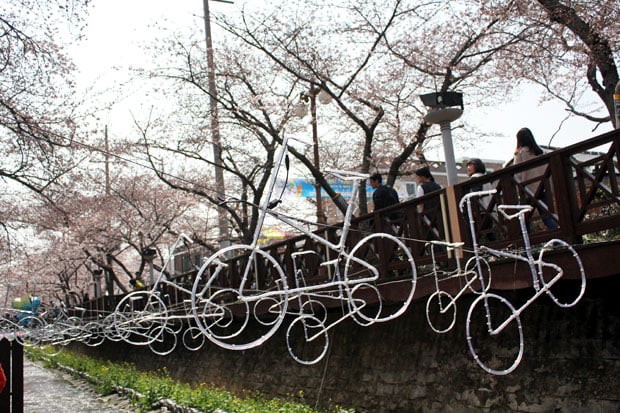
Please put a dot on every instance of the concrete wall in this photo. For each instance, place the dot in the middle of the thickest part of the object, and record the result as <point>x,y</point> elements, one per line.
<point>571,362</point>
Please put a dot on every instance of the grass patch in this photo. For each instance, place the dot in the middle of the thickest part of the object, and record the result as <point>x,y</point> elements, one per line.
<point>155,386</point>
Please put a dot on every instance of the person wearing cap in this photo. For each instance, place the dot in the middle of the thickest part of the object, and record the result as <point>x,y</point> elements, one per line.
<point>137,282</point>
<point>384,196</point>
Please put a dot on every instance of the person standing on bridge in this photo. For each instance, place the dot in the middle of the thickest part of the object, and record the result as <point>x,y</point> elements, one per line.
<point>384,196</point>
<point>429,210</point>
<point>425,185</point>
<point>527,149</point>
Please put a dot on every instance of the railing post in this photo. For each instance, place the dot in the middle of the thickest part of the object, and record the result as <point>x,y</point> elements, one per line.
<point>453,216</point>
<point>510,196</point>
<point>564,197</point>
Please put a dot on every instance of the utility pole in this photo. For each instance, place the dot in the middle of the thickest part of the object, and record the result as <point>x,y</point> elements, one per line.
<point>301,111</point>
<point>215,126</point>
<point>109,281</point>
<point>320,212</point>
<point>107,161</point>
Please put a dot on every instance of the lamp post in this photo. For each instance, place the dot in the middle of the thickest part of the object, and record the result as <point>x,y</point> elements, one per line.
<point>301,112</point>
<point>215,124</point>
<point>97,282</point>
<point>149,255</point>
<point>445,107</point>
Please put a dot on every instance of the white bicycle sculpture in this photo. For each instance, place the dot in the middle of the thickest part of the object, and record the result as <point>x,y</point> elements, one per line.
<point>144,317</point>
<point>441,305</point>
<point>241,282</point>
<point>493,326</point>
<point>355,286</point>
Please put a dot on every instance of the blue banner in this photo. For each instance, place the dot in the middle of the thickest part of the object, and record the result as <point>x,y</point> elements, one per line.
<point>305,188</point>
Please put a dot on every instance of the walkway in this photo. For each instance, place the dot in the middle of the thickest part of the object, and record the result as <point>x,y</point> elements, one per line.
<point>49,390</point>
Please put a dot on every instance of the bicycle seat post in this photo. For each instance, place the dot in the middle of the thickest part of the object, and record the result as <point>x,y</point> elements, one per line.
<point>269,190</point>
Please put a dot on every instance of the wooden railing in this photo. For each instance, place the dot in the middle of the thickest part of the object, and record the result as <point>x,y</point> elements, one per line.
<point>582,199</point>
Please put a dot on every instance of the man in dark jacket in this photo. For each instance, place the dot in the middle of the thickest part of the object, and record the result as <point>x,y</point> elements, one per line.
<point>383,196</point>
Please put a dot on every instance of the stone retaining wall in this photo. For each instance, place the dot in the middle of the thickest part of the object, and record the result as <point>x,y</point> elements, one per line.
<point>571,362</point>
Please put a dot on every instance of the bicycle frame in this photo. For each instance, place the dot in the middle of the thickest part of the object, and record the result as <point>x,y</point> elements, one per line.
<point>146,324</point>
<point>217,300</point>
<point>536,267</point>
<point>445,300</point>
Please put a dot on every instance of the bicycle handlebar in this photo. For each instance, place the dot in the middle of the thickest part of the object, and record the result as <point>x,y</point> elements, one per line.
<point>470,195</point>
<point>521,209</point>
<point>346,175</point>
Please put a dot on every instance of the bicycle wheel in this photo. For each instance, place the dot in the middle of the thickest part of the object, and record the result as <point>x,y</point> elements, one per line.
<point>557,260</point>
<point>31,331</point>
<point>95,335</point>
<point>267,309</point>
<point>307,339</point>
<point>140,317</point>
<point>478,276</point>
<point>177,315</point>
<point>384,263</point>
<point>234,284</point>
<point>365,304</point>
<point>8,328</point>
<point>315,308</point>
<point>110,329</point>
<point>441,311</point>
<point>494,334</point>
<point>165,343</point>
<point>73,327</point>
<point>193,339</point>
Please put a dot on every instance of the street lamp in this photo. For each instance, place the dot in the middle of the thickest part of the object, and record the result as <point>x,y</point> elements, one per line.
<point>301,110</point>
<point>97,282</point>
<point>445,107</point>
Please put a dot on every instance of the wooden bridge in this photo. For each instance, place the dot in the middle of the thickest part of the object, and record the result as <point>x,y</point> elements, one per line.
<point>583,199</point>
<point>582,188</point>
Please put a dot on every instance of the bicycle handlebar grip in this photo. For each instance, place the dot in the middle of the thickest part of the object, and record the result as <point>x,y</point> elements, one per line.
<point>521,209</point>
<point>466,197</point>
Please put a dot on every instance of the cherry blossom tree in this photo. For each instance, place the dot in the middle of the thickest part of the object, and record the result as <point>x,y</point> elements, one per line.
<point>38,109</point>
<point>571,48</point>
<point>105,234</point>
